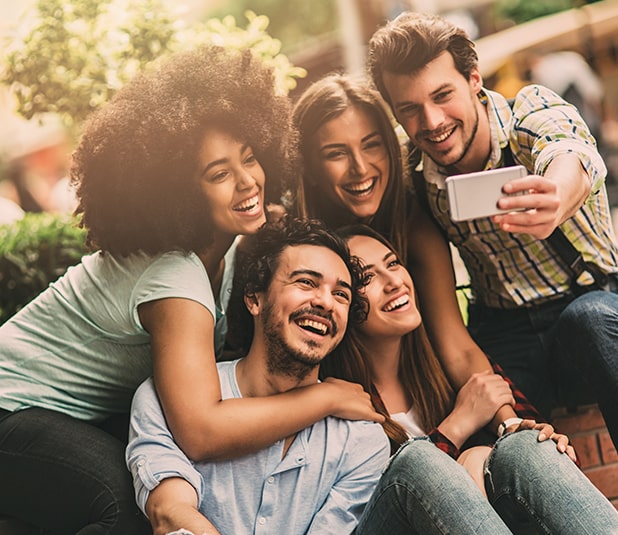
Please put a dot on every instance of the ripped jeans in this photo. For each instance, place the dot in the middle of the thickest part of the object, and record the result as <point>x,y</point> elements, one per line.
<point>531,488</point>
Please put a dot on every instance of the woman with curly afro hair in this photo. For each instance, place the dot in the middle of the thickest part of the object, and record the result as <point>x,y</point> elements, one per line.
<point>181,162</point>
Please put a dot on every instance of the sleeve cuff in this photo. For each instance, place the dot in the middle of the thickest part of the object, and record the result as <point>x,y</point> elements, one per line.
<point>443,443</point>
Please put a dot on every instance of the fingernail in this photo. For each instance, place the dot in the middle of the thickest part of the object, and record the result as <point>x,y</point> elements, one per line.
<point>561,448</point>
<point>542,437</point>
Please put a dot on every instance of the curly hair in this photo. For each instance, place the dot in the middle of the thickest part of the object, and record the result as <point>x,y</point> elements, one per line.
<point>410,41</point>
<point>135,168</point>
<point>326,100</point>
<point>257,260</point>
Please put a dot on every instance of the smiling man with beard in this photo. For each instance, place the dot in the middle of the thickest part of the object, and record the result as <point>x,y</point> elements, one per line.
<point>295,289</point>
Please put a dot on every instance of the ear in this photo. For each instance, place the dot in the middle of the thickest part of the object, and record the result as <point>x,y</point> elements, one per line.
<point>252,302</point>
<point>476,80</point>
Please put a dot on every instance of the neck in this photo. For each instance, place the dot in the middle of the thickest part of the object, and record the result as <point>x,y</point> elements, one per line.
<point>256,380</point>
<point>212,258</point>
<point>384,357</point>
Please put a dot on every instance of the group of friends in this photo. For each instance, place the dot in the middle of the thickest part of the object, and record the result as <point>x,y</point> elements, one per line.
<point>252,309</point>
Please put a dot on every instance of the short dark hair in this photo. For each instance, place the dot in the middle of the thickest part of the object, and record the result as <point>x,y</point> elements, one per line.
<point>257,259</point>
<point>135,168</point>
<point>410,41</point>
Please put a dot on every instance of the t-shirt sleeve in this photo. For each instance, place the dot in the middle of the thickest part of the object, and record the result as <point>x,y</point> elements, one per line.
<point>174,275</point>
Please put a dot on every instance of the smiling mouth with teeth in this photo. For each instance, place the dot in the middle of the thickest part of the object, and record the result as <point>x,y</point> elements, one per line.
<point>396,303</point>
<point>361,188</point>
<point>248,205</point>
<point>313,326</point>
<point>442,137</point>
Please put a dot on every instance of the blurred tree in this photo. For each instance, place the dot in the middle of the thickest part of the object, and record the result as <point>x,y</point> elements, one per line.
<point>520,11</point>
<point>77,53</point>
<point>291,22</point>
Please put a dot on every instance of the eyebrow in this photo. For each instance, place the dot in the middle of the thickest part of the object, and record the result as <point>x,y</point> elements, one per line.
<point>367,267</point>
<point>439,89</point>
<point>318,275</point>
<point>220,161</point>
<point>363,140</point>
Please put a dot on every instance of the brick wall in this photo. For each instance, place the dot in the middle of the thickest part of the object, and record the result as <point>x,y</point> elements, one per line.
<point>597,454</point>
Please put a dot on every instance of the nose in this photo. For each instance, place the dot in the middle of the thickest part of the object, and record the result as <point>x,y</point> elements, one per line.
<point>392,281</point>
<point>322,298</point>
<point>358,164</point>
<point>432,116</point>
<point>245,180</point>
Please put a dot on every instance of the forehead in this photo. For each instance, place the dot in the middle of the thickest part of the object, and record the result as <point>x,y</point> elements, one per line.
<point>436,73</point>
<point>217,143</point>
<point>313,258</point>
<point>367,249</point>
<point>354,122</point>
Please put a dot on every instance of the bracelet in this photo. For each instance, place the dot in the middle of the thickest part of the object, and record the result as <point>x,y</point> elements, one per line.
<point>508,423</point>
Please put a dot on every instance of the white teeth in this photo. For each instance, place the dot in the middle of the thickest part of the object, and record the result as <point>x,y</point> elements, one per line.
<point>441,137</point>
<point>361,187</point>
<point>314,325</point>
<point>396,303</point>
<point>248,204</point>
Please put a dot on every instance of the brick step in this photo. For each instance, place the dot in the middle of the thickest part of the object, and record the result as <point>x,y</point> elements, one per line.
<point>597,454</point>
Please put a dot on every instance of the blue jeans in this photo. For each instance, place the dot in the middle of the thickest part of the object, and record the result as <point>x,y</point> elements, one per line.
<point>65,475</point>
<point>559,353</point>
<point>531,487</point>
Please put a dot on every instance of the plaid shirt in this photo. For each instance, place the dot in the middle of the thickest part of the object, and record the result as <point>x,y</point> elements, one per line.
<point>511,270</point>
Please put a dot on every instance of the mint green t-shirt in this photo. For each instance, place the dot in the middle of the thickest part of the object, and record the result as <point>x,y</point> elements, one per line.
<point>79,347</point>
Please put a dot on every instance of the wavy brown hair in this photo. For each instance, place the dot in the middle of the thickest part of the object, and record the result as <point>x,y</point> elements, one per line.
<point>420,371</point>
<point>135,168</point>
<point>411,40</point>
<point>324,101</point>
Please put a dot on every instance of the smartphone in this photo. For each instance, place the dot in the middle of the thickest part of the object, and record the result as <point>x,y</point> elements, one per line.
<point>474,195</point>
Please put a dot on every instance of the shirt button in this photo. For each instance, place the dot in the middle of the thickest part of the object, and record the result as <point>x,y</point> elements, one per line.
<point>271,479</point>
<point>300,459</point>
<point>262,520</point>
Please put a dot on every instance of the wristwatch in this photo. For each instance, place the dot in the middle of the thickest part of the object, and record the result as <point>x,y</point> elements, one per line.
<point>508,423</point>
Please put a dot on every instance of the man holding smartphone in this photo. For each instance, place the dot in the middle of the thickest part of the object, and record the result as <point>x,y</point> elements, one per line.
<point>524,313</point>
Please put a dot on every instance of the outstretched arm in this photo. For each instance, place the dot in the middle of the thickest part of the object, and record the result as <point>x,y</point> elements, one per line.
<point>204,426</point>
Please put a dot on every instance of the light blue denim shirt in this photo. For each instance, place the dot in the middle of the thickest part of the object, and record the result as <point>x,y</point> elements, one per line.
<point>320,486</point>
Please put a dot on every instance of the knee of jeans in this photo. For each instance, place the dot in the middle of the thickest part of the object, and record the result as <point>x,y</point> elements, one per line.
<point>416,460</point>
<point>520,454</point>
<point>590,309</point>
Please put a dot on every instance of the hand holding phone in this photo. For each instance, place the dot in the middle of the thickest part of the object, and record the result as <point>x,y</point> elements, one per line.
<point>475,195</point>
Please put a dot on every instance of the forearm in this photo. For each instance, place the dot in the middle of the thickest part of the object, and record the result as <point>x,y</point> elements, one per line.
<point>172,505</point>
<point>235,427</point>
<point>573,183</point>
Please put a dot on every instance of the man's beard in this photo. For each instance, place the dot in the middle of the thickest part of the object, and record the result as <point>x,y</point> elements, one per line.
<point>466,147</point>
<point>283,359</point>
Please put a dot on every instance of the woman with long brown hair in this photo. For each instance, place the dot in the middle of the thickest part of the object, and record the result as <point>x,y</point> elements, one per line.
<point>439,481</point>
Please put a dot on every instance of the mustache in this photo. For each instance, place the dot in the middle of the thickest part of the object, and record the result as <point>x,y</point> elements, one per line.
<point>328,316</point>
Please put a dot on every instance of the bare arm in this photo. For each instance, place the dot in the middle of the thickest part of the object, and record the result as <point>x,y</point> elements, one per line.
<point>549,200</point>
<point>187,382</point>
<point>432,270</point>
<point>172,505</point>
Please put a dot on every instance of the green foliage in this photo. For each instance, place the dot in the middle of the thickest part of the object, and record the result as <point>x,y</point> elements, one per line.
<point>77,53</point>
<point>35,251</point>
<point>291,22</point>
<point>520,11</point>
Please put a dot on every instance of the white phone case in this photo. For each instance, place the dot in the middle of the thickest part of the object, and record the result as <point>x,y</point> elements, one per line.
<point>475,195</point>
